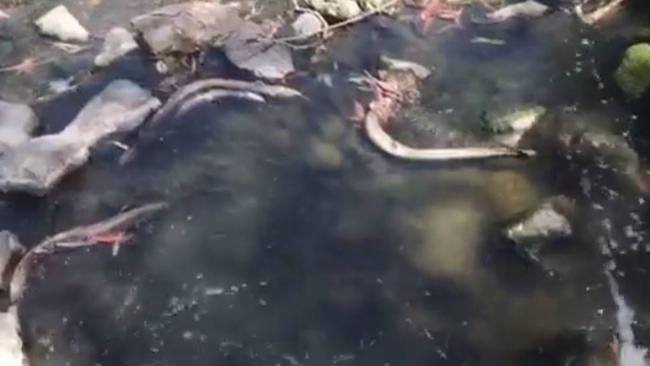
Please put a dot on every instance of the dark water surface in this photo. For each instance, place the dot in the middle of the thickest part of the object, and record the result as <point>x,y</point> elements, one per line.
<point>291,241</point>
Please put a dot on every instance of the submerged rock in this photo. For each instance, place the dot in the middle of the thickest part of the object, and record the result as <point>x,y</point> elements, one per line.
<point>186,27</point>
<point>450,238</point>
<point>326,156</point>
<point>118,43</point>
<point>307,25</point>
<point>508,128</point>
<point>17,122</point>
<point>36,165</point>
<point>60,24</point>
<point>633,74</point>
<point>548,222</point>
<point>510,194</point>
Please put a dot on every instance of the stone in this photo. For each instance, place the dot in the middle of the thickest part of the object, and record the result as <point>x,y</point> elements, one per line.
<point>450,235</point>
<point>118,43</point>
<point>510,194</point>
<point>633,74</point>
<point>17,122</point>
<point>546,223</point>
<point>245,50</point>
<point>38,164</point>
<point>60,24</point>
<point>186,27</point>
<point>339,9</point>
<point>307,25</point>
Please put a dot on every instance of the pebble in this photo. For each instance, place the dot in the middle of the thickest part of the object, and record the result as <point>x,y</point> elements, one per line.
<point>60,24</point>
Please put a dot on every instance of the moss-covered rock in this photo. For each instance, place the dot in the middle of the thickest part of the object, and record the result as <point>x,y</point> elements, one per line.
<point>633,74</point>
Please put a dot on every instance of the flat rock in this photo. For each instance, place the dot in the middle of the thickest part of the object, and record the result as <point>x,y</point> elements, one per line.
<point>60,24</point>
<point>118,43</point>
<point>545,223</point>
<point>186,27</point>
<point>36,165</point>
<point>247,51</point>
<point>17,122</point>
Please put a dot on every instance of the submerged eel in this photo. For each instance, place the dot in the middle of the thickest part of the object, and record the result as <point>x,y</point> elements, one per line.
<point>394,148</point>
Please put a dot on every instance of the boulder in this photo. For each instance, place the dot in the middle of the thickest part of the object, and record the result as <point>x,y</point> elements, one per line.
<point>118,43</point>
<point>633,74</point>
<point>60,24</point>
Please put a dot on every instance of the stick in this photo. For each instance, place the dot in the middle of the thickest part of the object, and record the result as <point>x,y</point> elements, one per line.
<point>396,149</point>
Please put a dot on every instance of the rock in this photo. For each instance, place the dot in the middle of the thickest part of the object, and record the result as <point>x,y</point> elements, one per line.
<point>307,25</point>
<point>17,122</point>
<point>36,165</point>
<point>450,238</point>
<point>508,128</point>
<point>633,74</point>
<point>186,27</point>
<point>510,194</point>
<point>118,43</point>
<point>60,24</point>
<point>246,50</point>
<point>546,223</point>
<point>339,9</point>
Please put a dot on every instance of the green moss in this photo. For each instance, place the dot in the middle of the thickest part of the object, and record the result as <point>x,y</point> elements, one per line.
<point>633,75</point>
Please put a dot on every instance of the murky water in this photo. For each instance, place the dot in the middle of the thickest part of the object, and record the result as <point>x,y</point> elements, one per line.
<point>290,240</point>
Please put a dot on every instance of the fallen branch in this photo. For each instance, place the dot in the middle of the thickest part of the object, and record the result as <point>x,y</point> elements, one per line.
<point>78,237</point>
<point>396,149</point>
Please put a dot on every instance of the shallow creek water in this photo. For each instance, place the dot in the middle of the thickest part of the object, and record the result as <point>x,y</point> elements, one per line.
<point>291,241</point>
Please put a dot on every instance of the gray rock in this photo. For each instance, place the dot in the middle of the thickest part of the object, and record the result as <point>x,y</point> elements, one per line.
<point>340,9</point>
<point>17,122</point>
<point>545,223</point>
<point>246,51</point>
<point>40,163</point>
<point>186,27</point>
<point>59,23</point>
<point>307,25</point>
<point>118,43</point>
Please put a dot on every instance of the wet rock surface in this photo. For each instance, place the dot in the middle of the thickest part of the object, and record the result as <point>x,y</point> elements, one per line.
<point>544,224</point>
